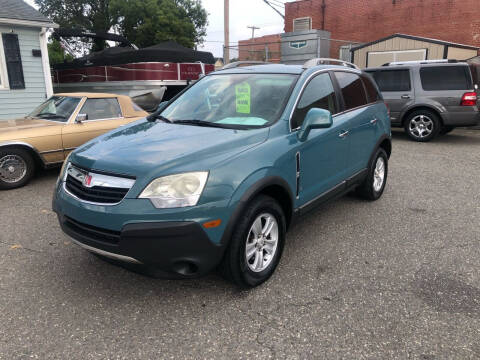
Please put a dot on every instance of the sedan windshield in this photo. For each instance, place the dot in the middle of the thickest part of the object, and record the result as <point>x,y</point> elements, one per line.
<point>57,108</point>
<point>232,101</point>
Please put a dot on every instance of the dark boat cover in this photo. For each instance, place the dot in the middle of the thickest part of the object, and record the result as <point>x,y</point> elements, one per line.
<point>168,51</point>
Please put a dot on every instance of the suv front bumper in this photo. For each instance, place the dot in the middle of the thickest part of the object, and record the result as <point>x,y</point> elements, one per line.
<point>170,240</point>
<point>178,248</point>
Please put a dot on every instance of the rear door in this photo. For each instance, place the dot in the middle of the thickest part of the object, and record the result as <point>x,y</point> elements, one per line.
<point>397,90</point>
<point>103,114</point>
<point>362,123</point>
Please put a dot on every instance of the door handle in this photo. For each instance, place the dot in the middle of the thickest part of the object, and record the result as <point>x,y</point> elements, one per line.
<point>344,134</point>
<point>373,121</point>
<point>405,97</point>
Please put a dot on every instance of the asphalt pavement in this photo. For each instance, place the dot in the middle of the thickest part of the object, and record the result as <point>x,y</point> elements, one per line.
<point>394,279</point>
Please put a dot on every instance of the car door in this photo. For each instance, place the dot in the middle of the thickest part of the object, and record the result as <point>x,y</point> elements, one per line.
<point>361,119</point>
<point>102,115</point>
<point>397,90</point>
<point>321,159</point>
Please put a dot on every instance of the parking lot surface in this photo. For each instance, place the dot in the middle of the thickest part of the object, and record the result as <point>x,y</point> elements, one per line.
<point>398,278</point>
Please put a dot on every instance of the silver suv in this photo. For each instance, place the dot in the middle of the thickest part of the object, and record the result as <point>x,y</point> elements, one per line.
<point>429,98</point>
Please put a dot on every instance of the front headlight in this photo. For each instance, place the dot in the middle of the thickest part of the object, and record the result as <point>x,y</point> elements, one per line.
<point>176,191</point>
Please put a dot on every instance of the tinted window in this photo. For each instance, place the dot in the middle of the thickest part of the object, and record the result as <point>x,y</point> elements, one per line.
<point>446,78</point>
<point>352,90</point>
<point>372,91</point>
<point>319,93</point>
<point>98,109</point>
<point>393,80</point>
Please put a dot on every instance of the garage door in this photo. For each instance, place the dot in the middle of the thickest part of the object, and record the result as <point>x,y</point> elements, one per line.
<point>379,58</point>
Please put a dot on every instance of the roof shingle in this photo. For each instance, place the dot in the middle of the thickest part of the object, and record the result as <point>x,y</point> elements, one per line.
<point>19,10</point>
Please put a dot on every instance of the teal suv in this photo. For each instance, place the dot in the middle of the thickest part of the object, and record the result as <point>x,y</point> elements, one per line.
<point>216,177</point>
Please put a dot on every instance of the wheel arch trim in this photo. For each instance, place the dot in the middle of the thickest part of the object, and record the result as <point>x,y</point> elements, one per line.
<point>437,110</point>
<point>25,145</point>
<point>248,195</point>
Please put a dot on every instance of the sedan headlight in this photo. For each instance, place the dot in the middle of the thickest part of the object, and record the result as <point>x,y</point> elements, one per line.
<point>176,191</point>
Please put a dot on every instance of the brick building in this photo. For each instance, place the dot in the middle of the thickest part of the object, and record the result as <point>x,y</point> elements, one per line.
<point>367,20</point>
<point>362,21</point>
<point>260,48</point>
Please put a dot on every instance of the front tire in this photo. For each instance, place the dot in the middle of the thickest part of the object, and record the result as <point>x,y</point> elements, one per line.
<point>16,168</point>
<point>374,184</point>
<point>256,245</point>
<point>422,125</point>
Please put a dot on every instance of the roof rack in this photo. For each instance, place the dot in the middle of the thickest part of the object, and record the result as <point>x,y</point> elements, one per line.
<point>323,61</point>
<point>244,63</point>
<point>421,62</point>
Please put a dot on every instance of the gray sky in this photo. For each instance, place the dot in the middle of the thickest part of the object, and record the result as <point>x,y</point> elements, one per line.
<point>243,13</point>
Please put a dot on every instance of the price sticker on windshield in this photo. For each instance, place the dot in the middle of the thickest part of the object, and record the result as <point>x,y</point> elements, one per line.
<point>243,98</point>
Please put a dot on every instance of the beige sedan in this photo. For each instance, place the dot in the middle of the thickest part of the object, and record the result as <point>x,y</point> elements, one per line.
<point>59,125</point>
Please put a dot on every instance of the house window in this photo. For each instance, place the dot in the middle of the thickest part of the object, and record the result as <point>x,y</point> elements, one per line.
<point>3,68</point>
<point>302,24</point>
<point>13,61</point>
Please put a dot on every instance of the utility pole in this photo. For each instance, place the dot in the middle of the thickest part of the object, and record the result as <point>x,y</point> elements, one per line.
<point>226,25</point>
<point>253,30</point>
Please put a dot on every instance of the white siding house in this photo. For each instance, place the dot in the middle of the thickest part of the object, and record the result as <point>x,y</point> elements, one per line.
<point>25,79</point>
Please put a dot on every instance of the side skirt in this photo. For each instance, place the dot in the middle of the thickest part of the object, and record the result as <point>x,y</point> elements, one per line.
<point>334,193</point>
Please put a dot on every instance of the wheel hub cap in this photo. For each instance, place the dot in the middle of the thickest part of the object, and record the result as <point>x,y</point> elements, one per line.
<point>12,168</point>
<point>262,242</point>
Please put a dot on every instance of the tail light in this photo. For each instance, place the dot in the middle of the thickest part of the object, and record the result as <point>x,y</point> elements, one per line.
<point>469,99</point>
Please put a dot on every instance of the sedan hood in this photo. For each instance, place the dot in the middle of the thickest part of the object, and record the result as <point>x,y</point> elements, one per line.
<point>24,124</point>
<point>150,149</point>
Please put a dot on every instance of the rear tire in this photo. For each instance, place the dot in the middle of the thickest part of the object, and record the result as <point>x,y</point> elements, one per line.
<point>256,245</point>
<point>422,125</point>
<point>16,168</point>
<point>374,184</point>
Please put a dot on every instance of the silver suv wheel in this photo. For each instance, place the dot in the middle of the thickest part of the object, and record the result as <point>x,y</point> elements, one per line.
<point>421,126</point>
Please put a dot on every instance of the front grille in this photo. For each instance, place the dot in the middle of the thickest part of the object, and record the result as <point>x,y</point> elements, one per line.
<point>92,232</point>
<point>96,194</point>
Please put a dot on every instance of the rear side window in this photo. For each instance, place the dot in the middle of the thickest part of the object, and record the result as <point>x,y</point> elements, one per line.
<point>446,78</point>
<point>393,80</point>
<point>372,91</point>
<point>352,90</point>
<point>319,93</point>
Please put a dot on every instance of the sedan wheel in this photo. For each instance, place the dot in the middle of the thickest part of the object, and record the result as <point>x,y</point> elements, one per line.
<point>16,168</point>
<point>12,169</point>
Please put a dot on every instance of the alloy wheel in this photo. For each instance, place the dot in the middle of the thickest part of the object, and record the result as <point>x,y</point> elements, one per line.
<point>421,126</point>
<point>262,242</point>
<point>379,174</point>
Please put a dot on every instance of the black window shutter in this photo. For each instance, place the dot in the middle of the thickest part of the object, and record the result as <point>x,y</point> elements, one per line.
<point>14,61</point>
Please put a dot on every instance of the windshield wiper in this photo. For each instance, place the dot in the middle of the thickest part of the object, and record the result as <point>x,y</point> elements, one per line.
<point>154,117</point>
<point>200,123</point>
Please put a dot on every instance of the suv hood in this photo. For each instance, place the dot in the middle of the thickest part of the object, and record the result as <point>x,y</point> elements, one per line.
<point>151,149</point>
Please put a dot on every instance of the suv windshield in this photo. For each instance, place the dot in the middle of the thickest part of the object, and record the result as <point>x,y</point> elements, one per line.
<point>58,108</point>
<point>233,100</point>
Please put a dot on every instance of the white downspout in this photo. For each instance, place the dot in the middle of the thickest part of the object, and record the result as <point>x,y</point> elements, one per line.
<point>46,62</point>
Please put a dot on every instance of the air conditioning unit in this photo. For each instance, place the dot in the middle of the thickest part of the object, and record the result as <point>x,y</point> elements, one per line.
<point>302,24</point>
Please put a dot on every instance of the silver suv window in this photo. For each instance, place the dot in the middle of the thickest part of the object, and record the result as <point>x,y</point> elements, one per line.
<point>393,80</point>
<point>446,78</point>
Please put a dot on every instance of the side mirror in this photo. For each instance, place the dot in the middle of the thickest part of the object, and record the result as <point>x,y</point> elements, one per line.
<point>81,118</point>
<point>162,106</point>
<point>315,119</point>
